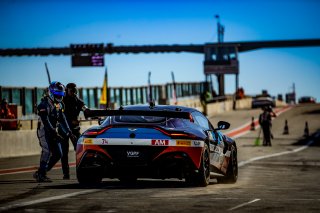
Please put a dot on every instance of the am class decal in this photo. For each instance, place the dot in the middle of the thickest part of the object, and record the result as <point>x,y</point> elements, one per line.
<point>159,142</point>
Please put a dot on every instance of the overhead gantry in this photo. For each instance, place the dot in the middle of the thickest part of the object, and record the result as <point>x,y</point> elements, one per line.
<point>219,58</point>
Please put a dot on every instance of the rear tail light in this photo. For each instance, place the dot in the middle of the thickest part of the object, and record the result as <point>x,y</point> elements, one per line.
<point>96,131</point>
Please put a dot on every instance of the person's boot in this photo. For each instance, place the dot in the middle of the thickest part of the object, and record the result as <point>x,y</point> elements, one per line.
<point>66,177</point>
<point>40,177</point>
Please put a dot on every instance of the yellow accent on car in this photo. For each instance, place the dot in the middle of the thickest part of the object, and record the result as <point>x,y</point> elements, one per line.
<point>87,141</point>
<point>183,143</point>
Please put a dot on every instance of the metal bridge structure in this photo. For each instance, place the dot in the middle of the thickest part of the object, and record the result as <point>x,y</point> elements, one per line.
<point>135,49</point>
<point>219,58</point>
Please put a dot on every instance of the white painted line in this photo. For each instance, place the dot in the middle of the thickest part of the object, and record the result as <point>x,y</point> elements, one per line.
<point>245,127</point>
<point>48,199</point>
<point>243,204</point>
<point>242,163</point>
<point>255,120</point>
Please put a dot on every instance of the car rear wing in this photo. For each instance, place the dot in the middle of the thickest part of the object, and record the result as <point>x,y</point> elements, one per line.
<point>157,113</point>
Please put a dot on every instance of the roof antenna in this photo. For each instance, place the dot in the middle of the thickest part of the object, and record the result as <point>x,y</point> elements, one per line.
<point>152,104</point>
<point>220,29</point>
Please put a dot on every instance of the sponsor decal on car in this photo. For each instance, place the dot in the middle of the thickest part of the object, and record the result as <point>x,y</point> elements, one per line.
<point>218,149</point>
<point>183,143</point>
<point>141,142</point>
<point>196,143</point>
<point>133,154</point>
<point>217,154</point>
<point>210,136</point>
<point>104,141</point>
<point>159,142</point>
<point>211,147</point>
<point>87,141</point>
<point>217,137</point>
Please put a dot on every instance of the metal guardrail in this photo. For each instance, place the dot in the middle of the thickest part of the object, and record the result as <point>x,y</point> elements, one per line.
<point>28,98</point>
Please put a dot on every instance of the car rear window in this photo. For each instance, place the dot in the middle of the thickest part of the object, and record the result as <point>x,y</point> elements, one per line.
<point>177,123</point>
<point>138,119</point>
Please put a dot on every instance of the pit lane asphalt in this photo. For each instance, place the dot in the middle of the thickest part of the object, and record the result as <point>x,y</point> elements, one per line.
<point>287,183</point>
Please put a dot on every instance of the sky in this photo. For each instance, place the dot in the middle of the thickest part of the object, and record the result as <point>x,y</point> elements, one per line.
<point>40,23</point>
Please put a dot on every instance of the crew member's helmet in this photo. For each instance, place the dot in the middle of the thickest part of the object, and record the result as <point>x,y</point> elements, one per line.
<point>56,91</point>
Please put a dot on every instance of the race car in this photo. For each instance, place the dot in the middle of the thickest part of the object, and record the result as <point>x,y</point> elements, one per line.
<point>142,141</point>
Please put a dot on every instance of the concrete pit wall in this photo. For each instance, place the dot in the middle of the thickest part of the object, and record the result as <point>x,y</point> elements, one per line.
<point>19,143</point>
<point>225,106</point>
<point>15,143</point>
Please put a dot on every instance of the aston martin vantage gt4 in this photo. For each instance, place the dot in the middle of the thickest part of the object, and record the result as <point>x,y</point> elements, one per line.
<point>156,142</point>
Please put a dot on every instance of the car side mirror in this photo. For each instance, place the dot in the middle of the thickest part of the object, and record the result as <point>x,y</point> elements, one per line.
<point>222,125</point>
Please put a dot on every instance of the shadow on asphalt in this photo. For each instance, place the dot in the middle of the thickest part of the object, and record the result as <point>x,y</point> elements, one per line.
<point>304,141</point>
<point>26,194</point>
<point>317,111</point>
<point>140,184</point>
<point>16,181</point>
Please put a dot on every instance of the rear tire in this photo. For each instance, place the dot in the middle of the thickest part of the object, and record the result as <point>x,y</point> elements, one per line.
<point>128,180</point>
<point>202,178</point>
<point>89,177</point>
<point>232,171</point>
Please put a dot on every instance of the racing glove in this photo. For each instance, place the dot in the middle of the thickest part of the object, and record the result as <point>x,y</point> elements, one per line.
<point>73,139</point>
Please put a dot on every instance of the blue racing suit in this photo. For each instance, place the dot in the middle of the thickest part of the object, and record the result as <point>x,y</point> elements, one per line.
<point>50,117</point>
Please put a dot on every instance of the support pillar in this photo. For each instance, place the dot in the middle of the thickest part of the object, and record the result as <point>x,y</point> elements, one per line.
<point>235,94</point>
<point>221,84</point>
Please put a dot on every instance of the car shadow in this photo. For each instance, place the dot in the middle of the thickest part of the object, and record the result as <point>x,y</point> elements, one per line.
<point>17,181</point>
<point>114,184</point>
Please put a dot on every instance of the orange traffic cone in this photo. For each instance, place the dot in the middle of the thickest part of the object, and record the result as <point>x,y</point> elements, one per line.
<point>286,128</point>
<point>252,125</point>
